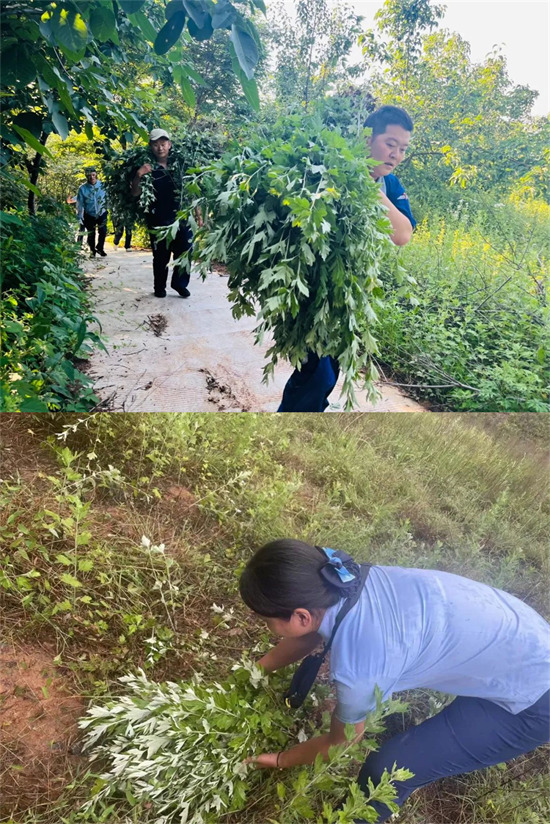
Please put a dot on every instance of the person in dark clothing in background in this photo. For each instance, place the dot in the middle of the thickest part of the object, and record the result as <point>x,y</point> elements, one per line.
<point>308,388</point>
<point>163,213</point>
<point>126,230</point>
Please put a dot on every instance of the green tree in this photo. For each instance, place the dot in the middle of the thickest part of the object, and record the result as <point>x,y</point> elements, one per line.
<point>473,128</point>
<point>310,50</point>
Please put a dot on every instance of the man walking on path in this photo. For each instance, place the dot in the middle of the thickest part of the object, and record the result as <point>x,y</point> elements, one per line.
<point>163,213</point>
<point>126,230</point>
<point>308,388</point>
<point>91,205</point>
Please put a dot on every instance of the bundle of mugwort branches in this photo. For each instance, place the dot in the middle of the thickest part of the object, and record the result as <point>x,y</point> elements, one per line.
<point>297,218</point>
<point>176,751</point>
<point>188,151</point>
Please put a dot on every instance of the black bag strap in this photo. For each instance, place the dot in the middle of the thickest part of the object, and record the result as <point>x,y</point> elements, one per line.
<point>349,603</point>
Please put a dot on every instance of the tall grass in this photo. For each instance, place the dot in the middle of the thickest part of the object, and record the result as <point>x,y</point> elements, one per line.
<point>478,337</point>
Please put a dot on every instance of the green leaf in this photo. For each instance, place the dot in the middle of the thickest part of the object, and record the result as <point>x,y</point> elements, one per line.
<point>139,19</point>
<point>81,334</point>
<point>200,34</point>
<point>7,217</point>
<point>196,12</point>
<point>249,87</point>
<point>33,405</point>
<point>63,559</point>
<point>85,565</point>
<point>61,125</point>
<point>224,15</point>
<point>245,49</point>
<point>103,23</point>
<point>16,67</point>
<point>31,141</point>
<point>170,33</point>
<point>70,580</point>
<point>185,85</point>
<point>69,29</point>
<point>30,186</point>
<point>131,6</point>
<point>30,121</point>
<point>172,8</point>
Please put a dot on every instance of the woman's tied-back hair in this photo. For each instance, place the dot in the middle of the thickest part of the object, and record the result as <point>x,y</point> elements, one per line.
<point>283,576</point>
<point>386,116</point>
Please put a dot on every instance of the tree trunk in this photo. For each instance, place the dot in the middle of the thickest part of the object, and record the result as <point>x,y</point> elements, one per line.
<point>34,168</point>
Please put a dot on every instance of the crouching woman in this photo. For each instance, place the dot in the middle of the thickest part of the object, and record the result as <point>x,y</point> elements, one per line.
<point>408,628</point>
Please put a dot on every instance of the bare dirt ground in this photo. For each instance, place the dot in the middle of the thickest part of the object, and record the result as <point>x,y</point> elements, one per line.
<point>38,728</point>
<point>185,355</point>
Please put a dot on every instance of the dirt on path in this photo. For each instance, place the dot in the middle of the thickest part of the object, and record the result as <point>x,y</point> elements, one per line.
<point>185,354</point>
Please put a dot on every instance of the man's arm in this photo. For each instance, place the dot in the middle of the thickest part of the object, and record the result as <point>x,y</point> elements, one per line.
<point>135,186</point>
<point>402,228</point>
<point>289,650</point>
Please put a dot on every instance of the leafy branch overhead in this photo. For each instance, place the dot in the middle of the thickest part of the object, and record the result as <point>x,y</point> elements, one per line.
<point>60,59</point>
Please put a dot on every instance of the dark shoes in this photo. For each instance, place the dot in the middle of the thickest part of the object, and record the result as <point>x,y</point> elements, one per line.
<point>183,292</point>
<point>102,253</point>
<point>160,293</point>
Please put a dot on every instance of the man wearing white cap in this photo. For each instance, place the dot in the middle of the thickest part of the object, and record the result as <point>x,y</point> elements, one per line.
<point>163,213</point>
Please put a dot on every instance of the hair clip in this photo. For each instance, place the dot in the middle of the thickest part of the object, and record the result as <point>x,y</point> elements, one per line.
<point>340,570</point>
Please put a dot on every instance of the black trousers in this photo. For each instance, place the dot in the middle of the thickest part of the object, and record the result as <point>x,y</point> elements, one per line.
<point>162,250</point>
<point>127,231</point>
<point>90,224</point>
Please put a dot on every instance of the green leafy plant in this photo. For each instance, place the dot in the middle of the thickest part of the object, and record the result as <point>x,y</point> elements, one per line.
<point>477,340</point>
<point>44,335</point>
<point>178,749</point>
<point>298,220</point>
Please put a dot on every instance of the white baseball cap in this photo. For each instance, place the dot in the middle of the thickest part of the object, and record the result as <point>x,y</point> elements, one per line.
<point>156,134</point>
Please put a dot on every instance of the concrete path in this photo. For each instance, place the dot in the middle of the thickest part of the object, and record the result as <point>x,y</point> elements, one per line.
<point>185,355</point>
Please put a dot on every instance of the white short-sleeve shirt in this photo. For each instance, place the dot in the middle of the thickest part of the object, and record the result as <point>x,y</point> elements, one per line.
<point>431,629</point>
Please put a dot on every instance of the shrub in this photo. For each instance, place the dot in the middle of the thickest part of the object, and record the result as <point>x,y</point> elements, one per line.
<point>178,750</point>
<point>46,317</point>
<point>478,338</point>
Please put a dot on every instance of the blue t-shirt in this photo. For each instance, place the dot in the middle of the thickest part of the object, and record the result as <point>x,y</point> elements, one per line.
<point>396,194</point>
<point>425,628</point>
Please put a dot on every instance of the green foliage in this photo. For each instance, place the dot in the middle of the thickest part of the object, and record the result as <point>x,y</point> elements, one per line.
<point>126,598</point>
<point>478,338</point>
<point>46,317</point>
<point>310,50</point>
<point>180,747</point>
<point>452,492</point>
<point>300,225</point>
<point>188,150</point>
<point>64,63</point>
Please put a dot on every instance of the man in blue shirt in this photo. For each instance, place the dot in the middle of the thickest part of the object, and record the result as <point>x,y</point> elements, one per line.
<point>91,204</point>
<point>308,388</point>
